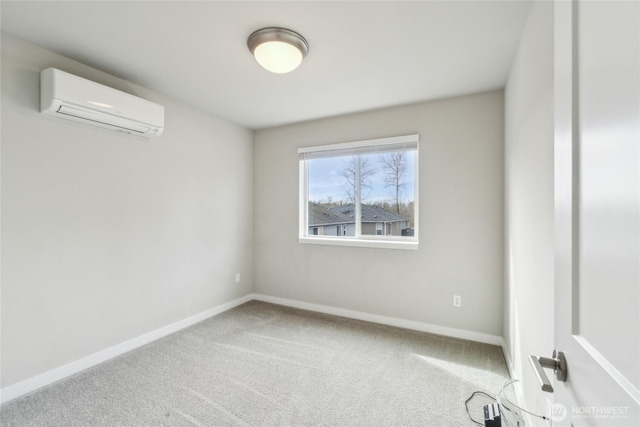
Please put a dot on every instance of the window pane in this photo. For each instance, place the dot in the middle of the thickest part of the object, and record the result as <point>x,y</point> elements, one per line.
<point>360,193</point>
<point>388,193</point>
<point>331,196</point>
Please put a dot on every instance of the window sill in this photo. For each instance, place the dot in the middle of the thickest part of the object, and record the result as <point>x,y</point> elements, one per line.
<point>360,243</point>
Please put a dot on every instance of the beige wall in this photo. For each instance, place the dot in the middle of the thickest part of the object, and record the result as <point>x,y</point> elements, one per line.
<point>529,218</point>
<point>107,236</point>
<point>461,218</point>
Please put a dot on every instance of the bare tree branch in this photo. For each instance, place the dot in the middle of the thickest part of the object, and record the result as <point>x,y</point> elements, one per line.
<point>349,174</point>
<point>395,168</point>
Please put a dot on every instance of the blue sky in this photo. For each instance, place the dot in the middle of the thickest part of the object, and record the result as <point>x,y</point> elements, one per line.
<point>326,180</point>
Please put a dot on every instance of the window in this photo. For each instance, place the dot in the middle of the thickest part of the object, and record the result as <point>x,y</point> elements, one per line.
<point>362,193</point>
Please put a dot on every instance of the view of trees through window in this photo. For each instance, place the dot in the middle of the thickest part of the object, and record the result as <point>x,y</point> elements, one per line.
<point>385,181</point>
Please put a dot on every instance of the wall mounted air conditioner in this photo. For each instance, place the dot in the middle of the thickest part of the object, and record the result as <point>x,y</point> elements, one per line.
<point>71,97</point>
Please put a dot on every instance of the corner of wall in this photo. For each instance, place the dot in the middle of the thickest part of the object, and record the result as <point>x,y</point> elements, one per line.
<point>529,267</point>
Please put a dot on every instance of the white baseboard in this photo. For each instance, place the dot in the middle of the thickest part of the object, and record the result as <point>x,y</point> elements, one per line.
<point>517,386</point>
<point>15,390</point>
<point>384,320</point>
<point>507,357</point>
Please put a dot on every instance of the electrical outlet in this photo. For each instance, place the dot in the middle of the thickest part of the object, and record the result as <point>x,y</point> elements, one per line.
<point>457,301</point>
<point>237,277</point>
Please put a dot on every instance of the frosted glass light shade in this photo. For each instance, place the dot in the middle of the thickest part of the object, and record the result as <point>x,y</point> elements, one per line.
<point>277,49</point>
<point>278,57</point>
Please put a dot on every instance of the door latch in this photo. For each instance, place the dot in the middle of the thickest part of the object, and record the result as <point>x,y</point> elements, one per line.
<point>558,363</point>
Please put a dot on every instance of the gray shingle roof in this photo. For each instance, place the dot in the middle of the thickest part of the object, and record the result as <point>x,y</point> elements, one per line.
<point>322,215</point>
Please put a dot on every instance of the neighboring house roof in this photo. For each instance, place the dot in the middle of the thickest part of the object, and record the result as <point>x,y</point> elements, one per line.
<point>322,215</point>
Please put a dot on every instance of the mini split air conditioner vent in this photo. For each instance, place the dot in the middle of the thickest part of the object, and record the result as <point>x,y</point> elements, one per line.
<point>71,97</point>
<point>99,119</point>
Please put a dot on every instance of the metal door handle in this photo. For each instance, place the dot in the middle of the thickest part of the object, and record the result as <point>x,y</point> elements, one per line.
<point>558,363</point>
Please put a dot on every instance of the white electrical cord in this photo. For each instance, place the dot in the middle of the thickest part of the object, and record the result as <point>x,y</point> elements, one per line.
<point>500,398</point>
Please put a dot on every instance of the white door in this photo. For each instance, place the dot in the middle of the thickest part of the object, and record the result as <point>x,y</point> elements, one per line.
<point>597,209</point>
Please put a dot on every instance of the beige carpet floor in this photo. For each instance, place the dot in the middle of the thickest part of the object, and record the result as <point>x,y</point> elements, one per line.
<point>266,365</point>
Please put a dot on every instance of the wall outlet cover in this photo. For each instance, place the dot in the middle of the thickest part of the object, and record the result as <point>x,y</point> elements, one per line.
<point>457,301</point>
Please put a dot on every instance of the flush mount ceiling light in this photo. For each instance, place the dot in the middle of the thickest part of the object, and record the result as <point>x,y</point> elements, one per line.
<point>277,49</point>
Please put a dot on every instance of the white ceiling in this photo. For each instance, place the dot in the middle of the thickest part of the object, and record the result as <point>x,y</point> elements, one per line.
<point>363,54</point>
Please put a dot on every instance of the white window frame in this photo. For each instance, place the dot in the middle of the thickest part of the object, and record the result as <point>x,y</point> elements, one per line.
<point>368,241</point>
